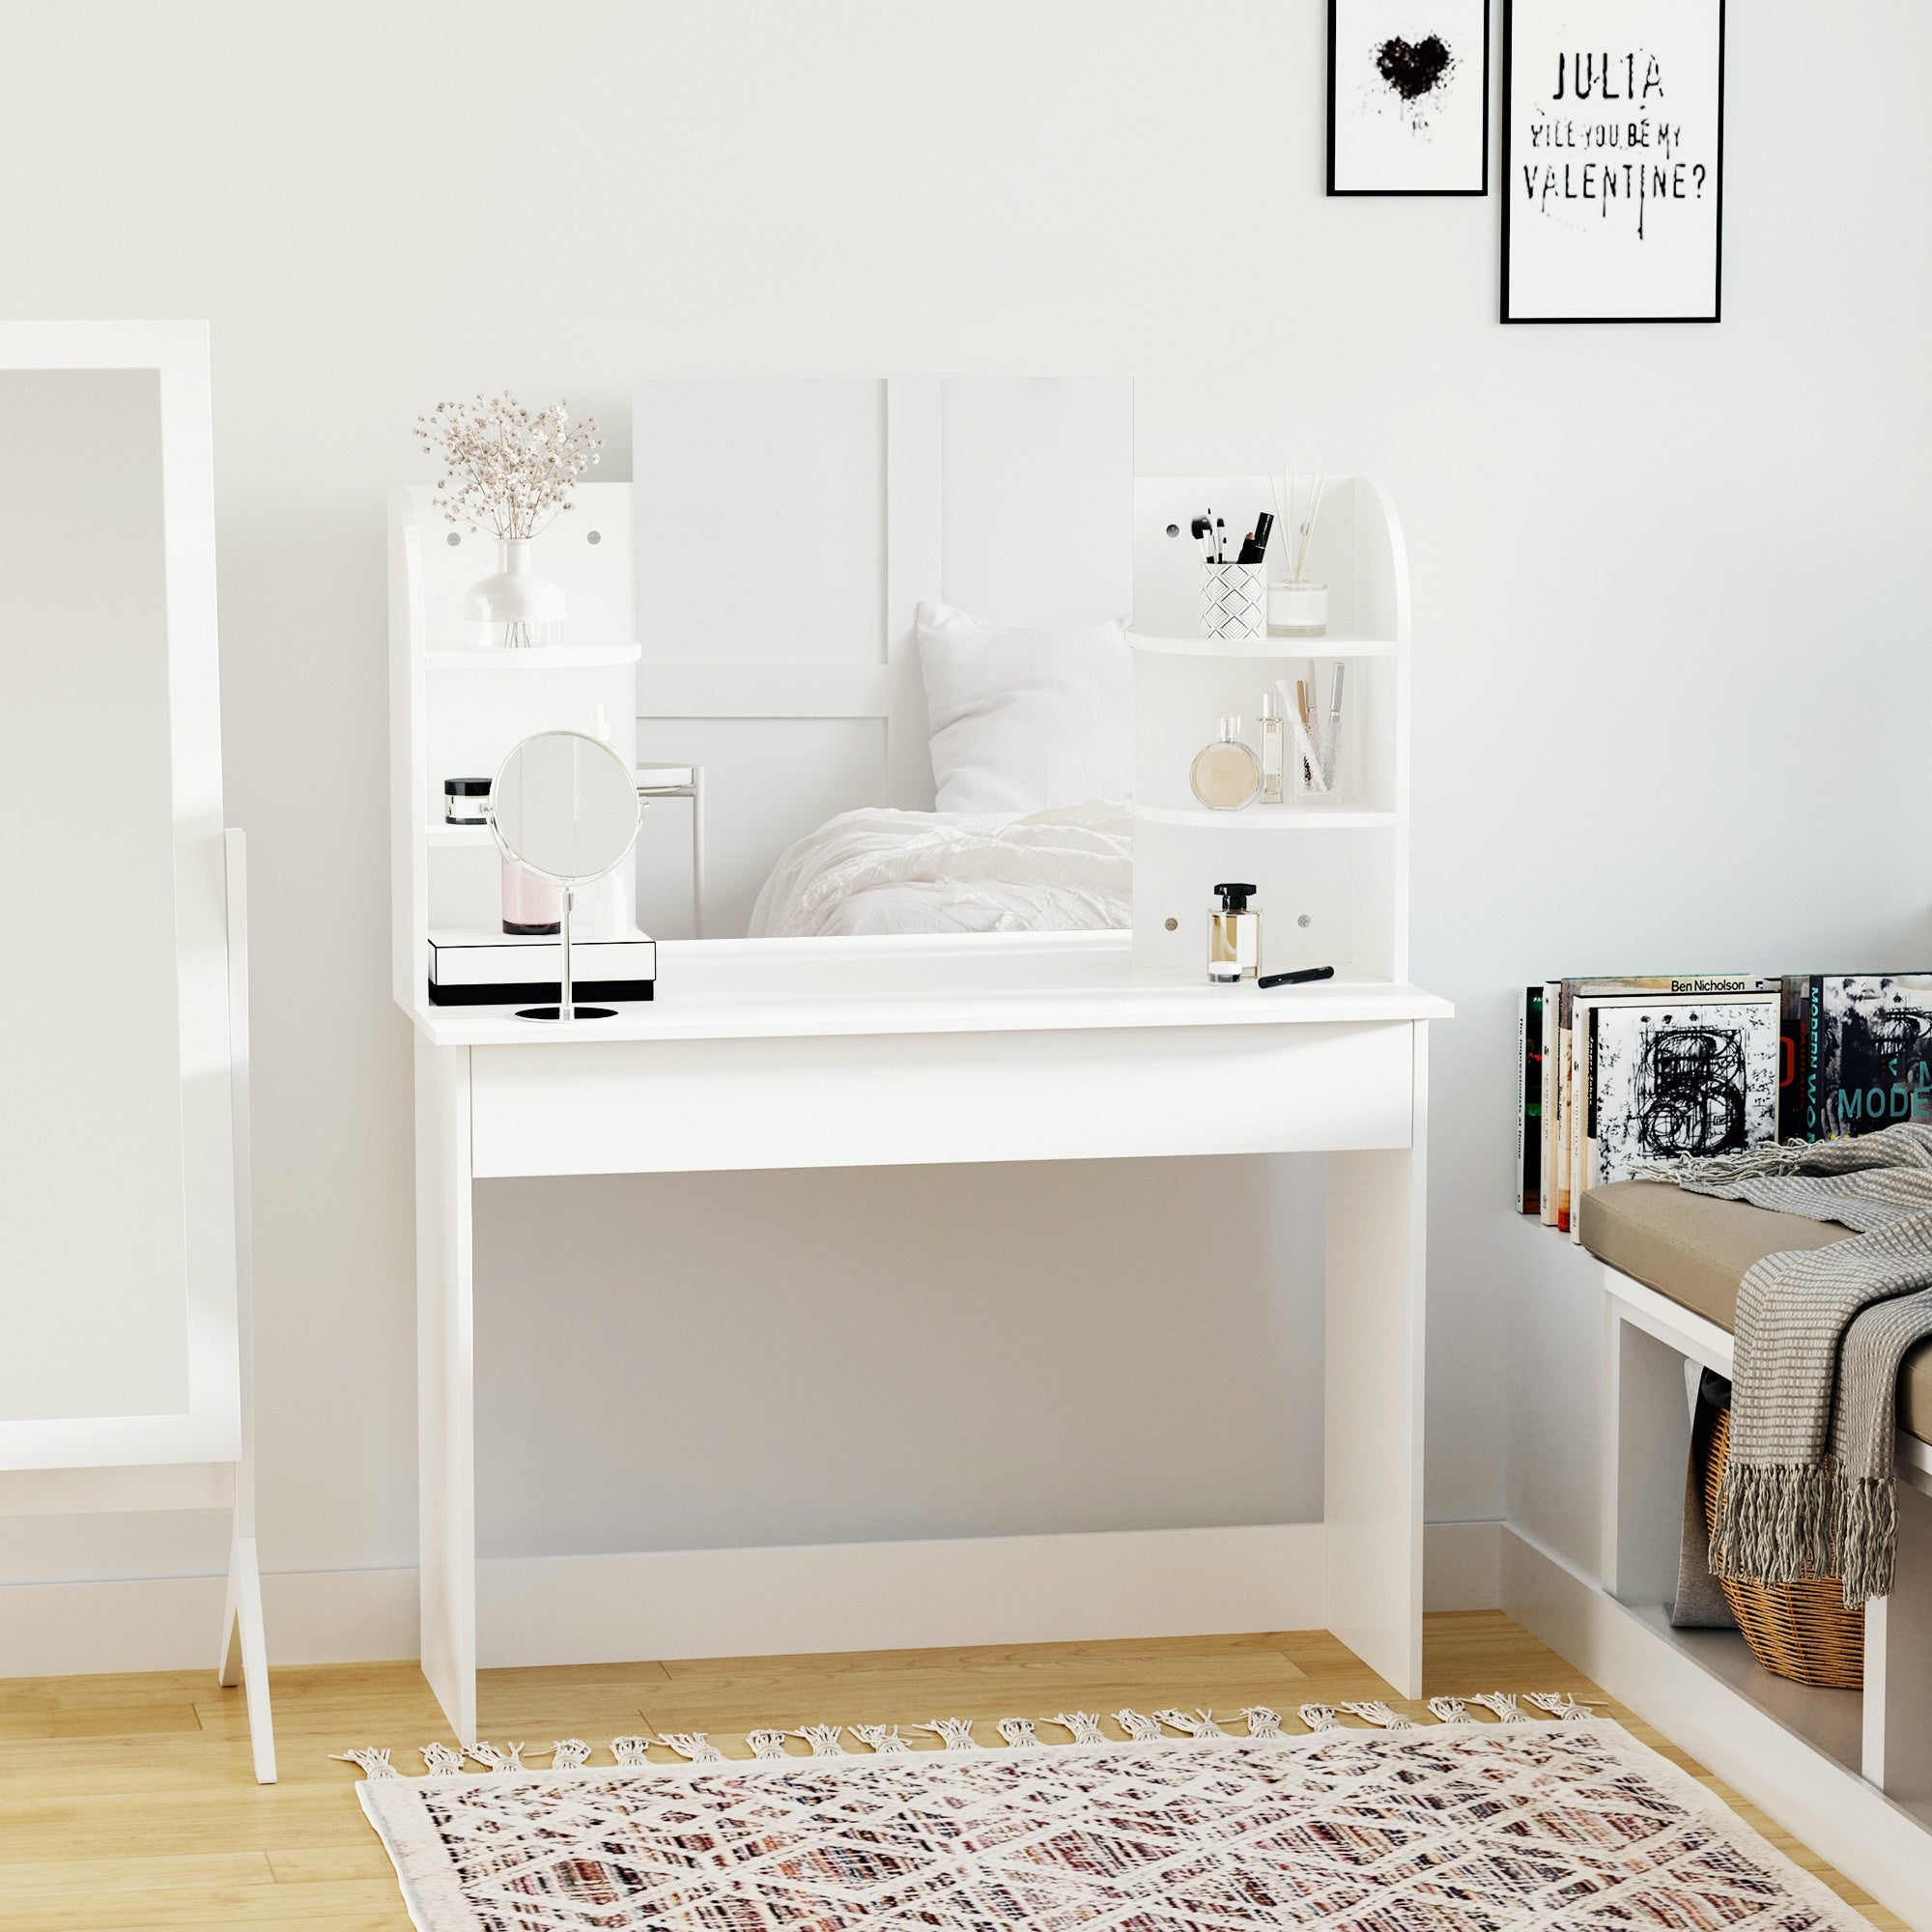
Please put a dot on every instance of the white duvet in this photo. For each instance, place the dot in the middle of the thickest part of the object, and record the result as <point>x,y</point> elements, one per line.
<point>876,871</point>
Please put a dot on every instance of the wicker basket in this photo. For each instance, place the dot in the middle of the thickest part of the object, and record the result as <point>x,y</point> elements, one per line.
<point>1799,1631</point>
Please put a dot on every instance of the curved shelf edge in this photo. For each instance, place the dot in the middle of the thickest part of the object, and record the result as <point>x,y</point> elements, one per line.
<point>538,657</point>
<point>1265,648</point>
<point>1265,817</point>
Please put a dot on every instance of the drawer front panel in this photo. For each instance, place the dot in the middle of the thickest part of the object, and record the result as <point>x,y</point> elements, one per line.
<point>884,1101</point>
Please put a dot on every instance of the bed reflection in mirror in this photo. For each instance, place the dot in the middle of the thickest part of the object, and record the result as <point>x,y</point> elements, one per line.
<point>911,698</point>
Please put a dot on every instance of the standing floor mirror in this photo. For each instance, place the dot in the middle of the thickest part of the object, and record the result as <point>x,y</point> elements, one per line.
<point>124,1193</point>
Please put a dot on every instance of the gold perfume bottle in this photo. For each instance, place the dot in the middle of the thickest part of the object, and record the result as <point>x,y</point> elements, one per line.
<point>1226,775</point>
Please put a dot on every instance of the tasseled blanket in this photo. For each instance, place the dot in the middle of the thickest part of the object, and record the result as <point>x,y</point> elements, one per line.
<point>1820,1337</point>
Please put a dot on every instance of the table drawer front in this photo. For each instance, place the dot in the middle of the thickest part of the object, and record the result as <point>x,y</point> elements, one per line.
<point>883,1100</point>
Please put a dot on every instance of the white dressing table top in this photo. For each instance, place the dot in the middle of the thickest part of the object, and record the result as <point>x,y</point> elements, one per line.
<point>1004,983</point>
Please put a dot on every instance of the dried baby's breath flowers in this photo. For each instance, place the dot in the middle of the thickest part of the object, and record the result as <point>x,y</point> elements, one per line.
<point>509,469</point>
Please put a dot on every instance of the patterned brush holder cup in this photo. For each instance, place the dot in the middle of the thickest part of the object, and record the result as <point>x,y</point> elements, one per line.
<point>1234,600</point>
<point>1297,611</point>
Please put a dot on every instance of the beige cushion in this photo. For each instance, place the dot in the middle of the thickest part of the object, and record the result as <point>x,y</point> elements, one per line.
<point>1697,1251</point>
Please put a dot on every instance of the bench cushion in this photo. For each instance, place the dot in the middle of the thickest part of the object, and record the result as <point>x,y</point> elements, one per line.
<point>1697,1250</point>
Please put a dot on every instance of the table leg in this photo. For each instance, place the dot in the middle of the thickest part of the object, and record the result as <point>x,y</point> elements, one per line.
<point>1373,1395</point>
<point>445,1393</point>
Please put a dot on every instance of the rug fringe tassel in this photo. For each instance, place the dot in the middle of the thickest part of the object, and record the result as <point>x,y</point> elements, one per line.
<point>1558,1703</point>
<point>1378,1714</point>
<point>957,1733</point>
<point>696,1749</point>
<point>954,1733</point>
<point>1196,1723</point>
<point>1506,1708</point>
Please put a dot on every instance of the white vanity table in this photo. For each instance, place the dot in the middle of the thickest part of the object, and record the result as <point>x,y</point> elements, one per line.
<point>760,1053</point>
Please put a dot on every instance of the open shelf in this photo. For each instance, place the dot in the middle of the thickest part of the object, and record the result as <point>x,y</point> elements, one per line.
<point>459,836</point>
<point>1265,648</point>
<point>537,657</point>
<point>1310,816</point>
<point>1830,1722</point>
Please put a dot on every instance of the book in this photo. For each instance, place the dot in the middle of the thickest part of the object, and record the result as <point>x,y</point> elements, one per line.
<point>1547,1122</point>
<point>1669,1077</point>
<point>1683,983</point>
<point>1858,1048</point>
<point>1564,1080</point>
<point>1529,1101</point>
<point>1565,1072</point>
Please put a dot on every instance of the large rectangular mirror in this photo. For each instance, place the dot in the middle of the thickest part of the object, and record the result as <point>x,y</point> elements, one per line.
<point>116,1180</point>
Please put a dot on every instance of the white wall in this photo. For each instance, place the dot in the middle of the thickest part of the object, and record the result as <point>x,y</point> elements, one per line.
<point>1633,744</point>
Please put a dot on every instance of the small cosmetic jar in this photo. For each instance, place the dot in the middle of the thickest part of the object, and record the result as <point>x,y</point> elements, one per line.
<point>465,801</point>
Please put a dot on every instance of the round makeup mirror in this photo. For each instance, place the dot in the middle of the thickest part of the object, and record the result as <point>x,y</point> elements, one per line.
<point>564,806</point>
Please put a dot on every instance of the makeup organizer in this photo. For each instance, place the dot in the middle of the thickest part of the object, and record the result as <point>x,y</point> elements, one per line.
<point>478,929</point>
<point>1328,857</point>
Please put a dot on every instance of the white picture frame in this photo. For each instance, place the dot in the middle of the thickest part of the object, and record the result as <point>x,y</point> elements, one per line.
<point>1614,149</point>
<point>1408,97</point>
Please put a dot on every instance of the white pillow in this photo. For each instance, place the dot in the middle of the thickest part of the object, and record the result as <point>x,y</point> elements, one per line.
<point>1024,720</point>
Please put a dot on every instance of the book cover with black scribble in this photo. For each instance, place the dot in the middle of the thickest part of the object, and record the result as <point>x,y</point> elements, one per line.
<point>1675,1077</point>
<point>1867,1060</point>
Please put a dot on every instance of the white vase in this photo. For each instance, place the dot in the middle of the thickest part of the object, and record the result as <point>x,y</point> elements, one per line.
<point>516,607</point>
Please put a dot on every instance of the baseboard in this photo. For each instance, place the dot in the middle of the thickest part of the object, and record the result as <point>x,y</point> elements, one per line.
<point>1820,1801</point>
<point>1461,1566</point>
<point>748,1603</point>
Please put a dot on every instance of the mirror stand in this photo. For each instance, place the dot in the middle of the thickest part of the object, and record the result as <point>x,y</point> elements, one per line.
<point>564,1010</point>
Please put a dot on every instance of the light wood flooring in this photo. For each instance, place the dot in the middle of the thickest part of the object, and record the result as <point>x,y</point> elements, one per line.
<point>129,1802</point>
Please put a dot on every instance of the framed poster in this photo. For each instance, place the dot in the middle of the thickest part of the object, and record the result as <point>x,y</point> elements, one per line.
<point>1613,159</point>
<point>1408,97</point>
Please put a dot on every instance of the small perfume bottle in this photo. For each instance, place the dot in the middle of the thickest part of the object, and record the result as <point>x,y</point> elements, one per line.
<point>1233,938</point>
<point>1226,775</point>
<point>1274,748</point>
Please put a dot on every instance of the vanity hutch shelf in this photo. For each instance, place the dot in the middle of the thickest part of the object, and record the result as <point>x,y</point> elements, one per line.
<point>1340,900</point>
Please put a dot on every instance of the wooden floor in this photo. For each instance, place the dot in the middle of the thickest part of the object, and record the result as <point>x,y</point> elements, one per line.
<point>129,1802</point>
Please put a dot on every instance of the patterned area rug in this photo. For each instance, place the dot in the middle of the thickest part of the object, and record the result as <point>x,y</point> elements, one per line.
<point>1453,1826</point>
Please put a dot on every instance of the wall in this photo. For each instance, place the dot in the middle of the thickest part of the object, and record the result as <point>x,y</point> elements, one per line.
<point>1626,751</point>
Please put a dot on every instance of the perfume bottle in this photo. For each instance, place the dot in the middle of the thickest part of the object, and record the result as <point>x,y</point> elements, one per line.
<point>1226,775</point>
<point>1274,748</point>
<point>1233,938</point>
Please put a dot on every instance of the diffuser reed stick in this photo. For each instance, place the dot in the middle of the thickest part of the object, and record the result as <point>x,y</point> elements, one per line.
<point>1283,490</point>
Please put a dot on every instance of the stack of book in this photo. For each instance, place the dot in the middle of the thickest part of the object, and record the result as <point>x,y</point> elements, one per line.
<point>1615,1072</point>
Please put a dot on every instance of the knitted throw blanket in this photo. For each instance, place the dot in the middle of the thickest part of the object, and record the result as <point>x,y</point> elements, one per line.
<point>1820,1336</point>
